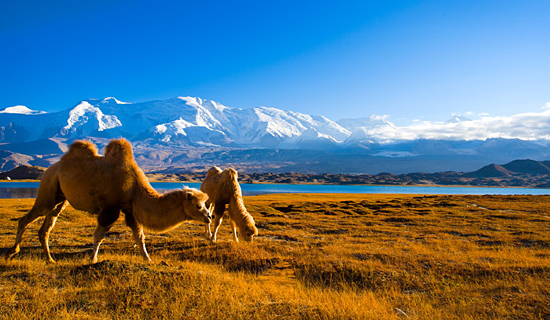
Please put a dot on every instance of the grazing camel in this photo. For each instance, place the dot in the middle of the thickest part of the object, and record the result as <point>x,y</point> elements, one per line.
<point>223,188</point>
<point>106,185</point>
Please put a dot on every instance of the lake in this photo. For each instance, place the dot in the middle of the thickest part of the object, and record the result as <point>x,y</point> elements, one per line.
<point>29,189</point>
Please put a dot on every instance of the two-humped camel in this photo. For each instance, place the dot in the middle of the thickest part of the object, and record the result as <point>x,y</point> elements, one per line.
<point>222,188</point>
<point>107,185</point>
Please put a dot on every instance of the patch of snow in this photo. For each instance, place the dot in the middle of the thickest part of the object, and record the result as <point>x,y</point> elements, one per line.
<point>113,99</point>
<point>160,129</point>
<point>89,118</point>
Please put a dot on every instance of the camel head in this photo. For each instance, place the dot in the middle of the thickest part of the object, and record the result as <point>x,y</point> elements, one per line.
<point>248,229</point>
<point>194,204</point>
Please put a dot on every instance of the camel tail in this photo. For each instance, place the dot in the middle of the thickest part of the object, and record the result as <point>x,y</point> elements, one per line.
<point>81,149</point>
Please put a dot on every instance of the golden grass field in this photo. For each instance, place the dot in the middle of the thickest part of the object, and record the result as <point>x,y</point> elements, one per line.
<point>318,256</point>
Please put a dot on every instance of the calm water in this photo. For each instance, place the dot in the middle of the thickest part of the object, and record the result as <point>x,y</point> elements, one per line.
<point>29,189</point>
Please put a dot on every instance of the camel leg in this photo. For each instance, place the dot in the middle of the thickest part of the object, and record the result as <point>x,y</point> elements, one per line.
<point>218,218</point>
<point>44,234</point>
<point>139,236</point>
<point>47,226</point>
<point>36,212</point>
<point>24,221</point>
<point>105,220</point>
<point>234,229</point>
<point>207,231</point>
<point>217,222</point>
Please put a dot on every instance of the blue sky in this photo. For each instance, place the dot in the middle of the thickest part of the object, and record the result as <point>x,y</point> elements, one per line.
<point>407,59</point>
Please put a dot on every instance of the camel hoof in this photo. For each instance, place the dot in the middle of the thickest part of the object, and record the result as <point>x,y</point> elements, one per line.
<point>11,253</point>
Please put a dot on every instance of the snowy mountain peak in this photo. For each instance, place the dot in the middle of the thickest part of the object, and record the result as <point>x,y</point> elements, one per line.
<point>87,119</point>
<point>380,120</point>
<point>20,110</point>
<point>194,122</point>
<point>207,104</point>
<point>113,100</point>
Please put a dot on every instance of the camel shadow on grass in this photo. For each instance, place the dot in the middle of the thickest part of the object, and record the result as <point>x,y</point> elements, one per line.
<point>231,256</point>
<point>73,252</point>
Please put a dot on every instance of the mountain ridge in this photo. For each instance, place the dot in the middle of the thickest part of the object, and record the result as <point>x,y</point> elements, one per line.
<point>490,175</point>
<point>196,133</point>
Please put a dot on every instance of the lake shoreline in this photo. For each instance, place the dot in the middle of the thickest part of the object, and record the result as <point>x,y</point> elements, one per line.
<point>319,184</point>
<point>15,189</point>
<point>480,178</point>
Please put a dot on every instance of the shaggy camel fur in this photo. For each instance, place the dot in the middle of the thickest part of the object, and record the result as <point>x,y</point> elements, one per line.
<point>223,188</point>
<point>106,185</point>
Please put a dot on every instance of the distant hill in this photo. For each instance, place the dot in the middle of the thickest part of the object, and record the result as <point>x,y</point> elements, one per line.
<point>23,173</point>
<point>527,167</point>
<point>513,168</point>
<point>41,147</point>
<point>490,171</point>
<point>10,160</point>
<point>528,173</point>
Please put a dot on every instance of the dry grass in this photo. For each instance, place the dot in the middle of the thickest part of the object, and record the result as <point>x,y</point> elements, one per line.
<point>317,257</point>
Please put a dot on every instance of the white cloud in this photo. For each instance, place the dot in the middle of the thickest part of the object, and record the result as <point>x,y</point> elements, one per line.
<point>526,126</point>
<point>546,106</point>
<point>470,114</point>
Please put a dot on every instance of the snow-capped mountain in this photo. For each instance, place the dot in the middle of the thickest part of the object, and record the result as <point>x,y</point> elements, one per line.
<point>198,133</point>
<point>365,131</point>
<point>183,120</point>
<point>86,119</point>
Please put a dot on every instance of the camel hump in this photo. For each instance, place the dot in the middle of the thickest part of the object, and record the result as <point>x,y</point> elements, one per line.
<point>81,149</point>
<point>119,149</point>
<point>213,171</point>
<point>232,173</point>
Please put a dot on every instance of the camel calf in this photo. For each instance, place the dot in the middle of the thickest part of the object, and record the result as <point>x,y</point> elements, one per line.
<point>222,187</point>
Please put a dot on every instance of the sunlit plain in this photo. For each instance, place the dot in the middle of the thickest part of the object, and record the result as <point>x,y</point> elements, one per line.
<point>318,256</point>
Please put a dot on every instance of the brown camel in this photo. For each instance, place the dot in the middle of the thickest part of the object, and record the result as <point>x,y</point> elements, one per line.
<point>106,185</point>
<point>222,187</point>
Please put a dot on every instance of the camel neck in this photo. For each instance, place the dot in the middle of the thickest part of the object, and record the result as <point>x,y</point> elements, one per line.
<point>238,210</point>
